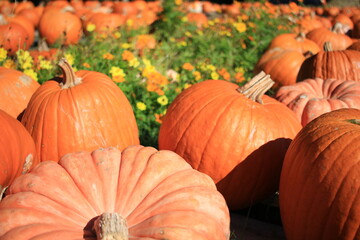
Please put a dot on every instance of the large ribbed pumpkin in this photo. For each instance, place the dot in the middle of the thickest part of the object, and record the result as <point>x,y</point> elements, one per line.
<point>16,89</point>
<point>237,136</point>
<point>313,97</point>
<point>17,150</point>
<point>140,193</point>
<point>320,186</point>
<point>79,111</point>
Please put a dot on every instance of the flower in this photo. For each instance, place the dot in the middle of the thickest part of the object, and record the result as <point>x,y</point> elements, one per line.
<point>85,64</point>
<point>45,64</point>
<point>214,76</point>
<point>240,26</point>
<point>3,54</point>
<point>90,27</point>
<point>188,66</point>
<point>24,59</point>
<point>127,55</point>
<point>117,74</point>
<point>9,64</point>
<point>163,100</point>
<point>178,2</point>
<point>69,58</point>
<point>31,73</point>
<point>117,35</point>
<point>125,45</point>
<point>187,85</point>
<point>197,75</point>
<point>141,106</point>
<point>159,116</point>
<point>134,63</point>
<point>224,74</point>
<point>108,56</point>
<point>145,41</point>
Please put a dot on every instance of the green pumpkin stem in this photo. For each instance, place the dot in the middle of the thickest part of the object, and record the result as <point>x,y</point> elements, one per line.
<point>111,226</point>
<point>354,121</point>
<point>69,78</point>
<point>257,87</point>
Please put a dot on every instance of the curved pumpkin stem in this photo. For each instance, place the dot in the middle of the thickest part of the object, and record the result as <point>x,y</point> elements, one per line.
<point>327,46</point>
<point>69,78</point>
<point>257,87</point>
<point>111,226</point>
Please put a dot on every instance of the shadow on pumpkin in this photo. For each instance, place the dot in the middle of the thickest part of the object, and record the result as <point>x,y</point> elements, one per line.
<point>257,177</point>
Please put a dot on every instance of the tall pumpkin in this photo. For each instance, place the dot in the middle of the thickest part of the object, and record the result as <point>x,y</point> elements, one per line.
<point>17,150</point>
<point>140,193</point>
<point>79,111</point>
<point>238,136</point>
<point>319,185</point>
<point>16,89</point>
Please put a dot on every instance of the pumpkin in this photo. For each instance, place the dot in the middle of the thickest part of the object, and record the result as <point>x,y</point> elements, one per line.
<point>319,184</point>
<point>238,136</point>
<point>24,22</point>
<point>105,22</point>
<point>79,111</point>
<point>17,150</point>
<point>337,37</point>
<point>199,19</point>
<point>313,97</point>
<point>60,25</point>
<point>355,46</point>
<point>341,64</point>
<point>282,65</point>
<point>140,193</point>
<point>44,52</point>
<point>16,89</point>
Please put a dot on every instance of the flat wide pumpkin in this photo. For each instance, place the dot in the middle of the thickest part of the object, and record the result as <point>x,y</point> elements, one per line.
<point>319,185</point>
<point>79,111</point>
<point>238,136</point>
<point>140,193</point>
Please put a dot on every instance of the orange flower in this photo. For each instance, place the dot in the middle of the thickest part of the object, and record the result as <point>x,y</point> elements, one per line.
<point>145,41</point>
<point>118,78</point>
<point>158,117</point>
<point>224,74</point>
<point>85,64</point>
<point>188,66</point>
<point>127,55</point>
<point>239,77</point>
<point>108,56</point>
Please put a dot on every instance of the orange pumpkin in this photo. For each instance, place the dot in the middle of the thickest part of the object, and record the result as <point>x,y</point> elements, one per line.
<point>319,185</point>
<point>17,150</point>
<point>79,111</point>
<point>140,193</point>
<point>16,89</point>
<point>238,136</point>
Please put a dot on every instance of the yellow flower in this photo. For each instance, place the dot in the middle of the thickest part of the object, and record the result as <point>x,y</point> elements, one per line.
<point>69,58</point>
<point>188,34</point>
<point>163,100</point>
<point>24,59</point>
<point>184,19</point>
<point>117,35</point>
<point>31,73</point>
<point>197,75</point>
<point>147,70</point>
<point>182,44</point>
<point>214,76</point>
<point>211,67</point>
<point>141,106</point>
<point>116,71</point>
<point>146,62</point>
<point>85,64</point>
<point>9,64</point>
<point>45,64</point>
<point>129,22</point>
<point>108,56</point>
<point>187,85</point>
<point>134,63</point>
<point>90,27</point>
<point>178,2</point>
<point>240,26</point>
<point>199,32</point>
<point>3,54</point>
<point>125,45</point>
<point>172,39</point>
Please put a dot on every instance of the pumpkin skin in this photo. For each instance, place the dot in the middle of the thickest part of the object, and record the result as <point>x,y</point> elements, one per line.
<point>238,142</point>
<point>319,186</point>
<point>84,112</point>
<point>17,150</point>
<point>16,89</point>
<point>157,193</point>
<point>292,41</point>
<point>341,64</point>
<point>13,37</point>
<point>313,97</point>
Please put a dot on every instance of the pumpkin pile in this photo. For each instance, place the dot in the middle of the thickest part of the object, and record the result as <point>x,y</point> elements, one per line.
<point>72,165</point>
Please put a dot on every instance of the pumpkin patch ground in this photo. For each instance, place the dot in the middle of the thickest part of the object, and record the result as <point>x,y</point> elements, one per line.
<point>225,120</point>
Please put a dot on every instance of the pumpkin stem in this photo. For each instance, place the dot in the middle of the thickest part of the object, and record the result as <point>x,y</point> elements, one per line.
<point>111,226</point>
<point>69,78</point>
<point>300,37</point>
<point>354,121</point>
<point>42,46</point>
<point>257,87</point>
<point>2,191</point>
<point>2,20</point>
<point>327,46</point>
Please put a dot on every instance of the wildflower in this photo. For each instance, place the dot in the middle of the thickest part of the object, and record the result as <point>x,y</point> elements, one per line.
<point>178,2</point>
<point>118,78</point>
<point>163,100</point>
<point>244,17</point>
<point>108,56</point>
<point>117,35</point>
<point>85,64</point>
<point>117,74</point>
<point>127,55</point>
<point>172,39</point>
<point>210,67</point>
<point>187,85</point>
<point>31,73</point>
<point>159,116</point>
<point>90,27</point>
<point>184,19</point>
<point>224,74</point>
<point>147,70</point>
<point>129,22</point>
<point>188,34</point>
<point>9,64</point>
<point>145,41</point>
<point>24,59</point>
<point>197,75</point>
<point>188,66</point>
<point>141,106</point>
<point>134,62</point>
<point>3,54</point>
<point>69,58</point>
<point>45,64</point>
<point>214,76</point>
<point>146,62</point>
<point>125,45</point>
<point>240,27</point>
